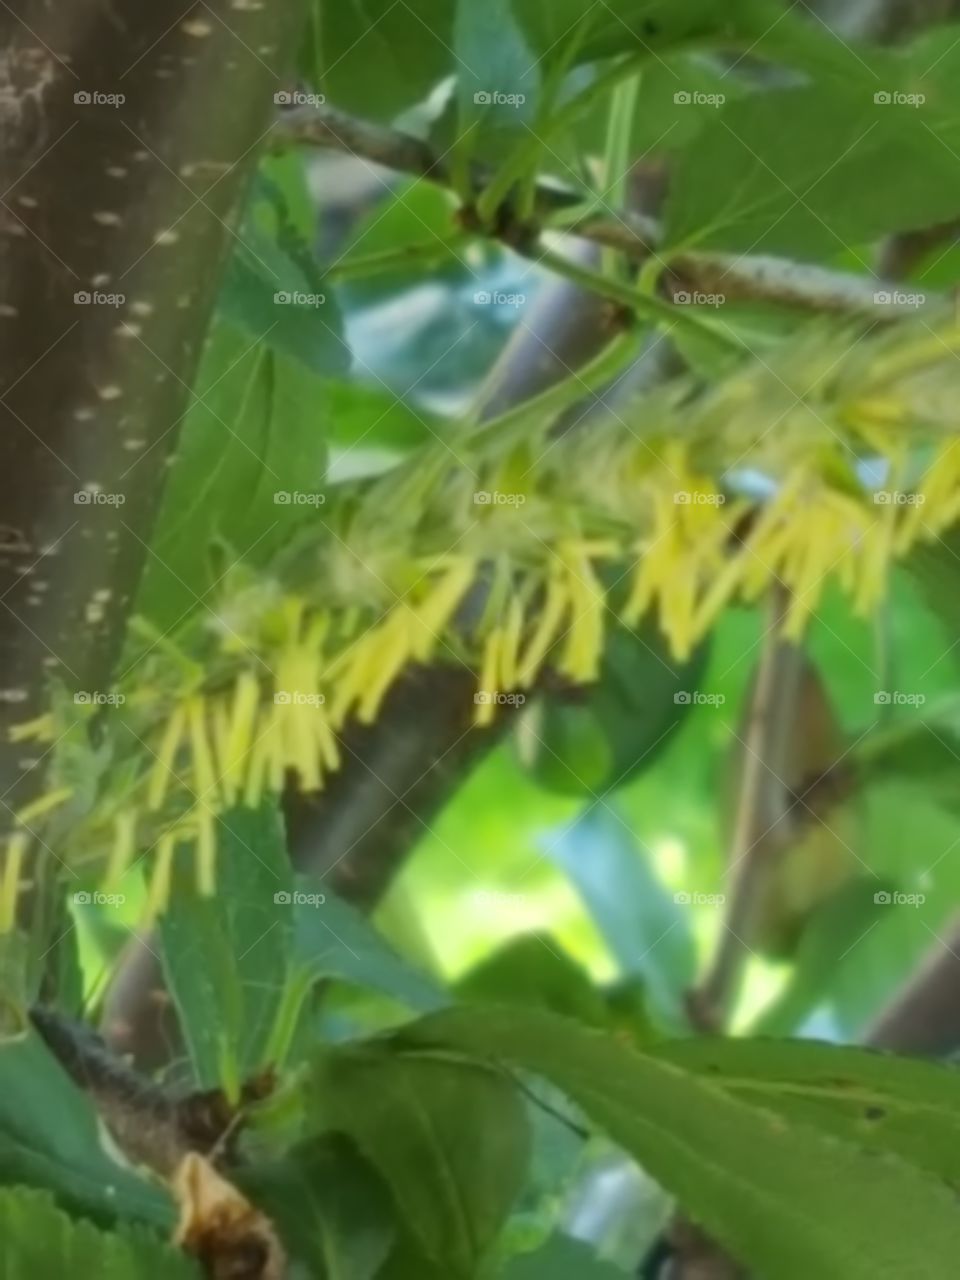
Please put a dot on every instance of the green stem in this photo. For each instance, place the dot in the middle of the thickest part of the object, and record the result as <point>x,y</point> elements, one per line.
<point>420,253</point>
<point>617,162</point>
<point>543,410</point>
<point>635,299</point>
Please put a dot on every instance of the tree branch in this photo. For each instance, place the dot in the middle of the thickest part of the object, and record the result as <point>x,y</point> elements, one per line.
<point>638,236</point>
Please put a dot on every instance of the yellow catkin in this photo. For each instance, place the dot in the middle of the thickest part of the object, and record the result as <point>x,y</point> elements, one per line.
<point>584,647</point>
<point>392,655</point>
<point>429,620</point>
<point>43,804</point>
<point>158,893</point>
<point>486,706</point>
<point>15,852</point>
<point>203,762</point>
<point>555,605</point>
<point>41,729</point>
<point>243,716</point>
<point>162,770</point>
<point>510,650</point>
<point>123,851</point>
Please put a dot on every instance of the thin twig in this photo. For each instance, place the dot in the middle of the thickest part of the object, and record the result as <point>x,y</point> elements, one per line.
<point>639,237</point>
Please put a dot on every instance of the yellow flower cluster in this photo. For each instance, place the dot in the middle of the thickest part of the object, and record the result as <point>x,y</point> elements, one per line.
<point>675,540</point>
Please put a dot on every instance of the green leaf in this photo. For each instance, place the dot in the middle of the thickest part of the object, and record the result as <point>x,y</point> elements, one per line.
<point>39,1240</point>
<point>535,972</point>
<point>498,79</point>
<point>276,301</point>
<point>376,57</point>
<point>254,431</point>
<point>786,1199</point>
<point>626,718</point>
<point>50,1137</point>
<point>809,171</point>
<point>333,940</point>
<point>605,30</point>
<point>227,957</point>
<point>877,1101</point>
<point>331,1209</point>
<point>828,938</point>
<point>450,1138</point>
<point>644,927</point>
<point>561,1258</point>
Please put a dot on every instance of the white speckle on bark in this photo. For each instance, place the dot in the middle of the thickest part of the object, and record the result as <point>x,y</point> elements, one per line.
<point>113,392</point>
<point>116,171</point>
<point>102,277</point>
<point>169,236</point>
<point>107,218</point>
<point>196,28</point>
<point>7,310</point>
<point>127,330</point>
<point>13,695</point>
<point>142,308</point>
<point>84,414</point>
